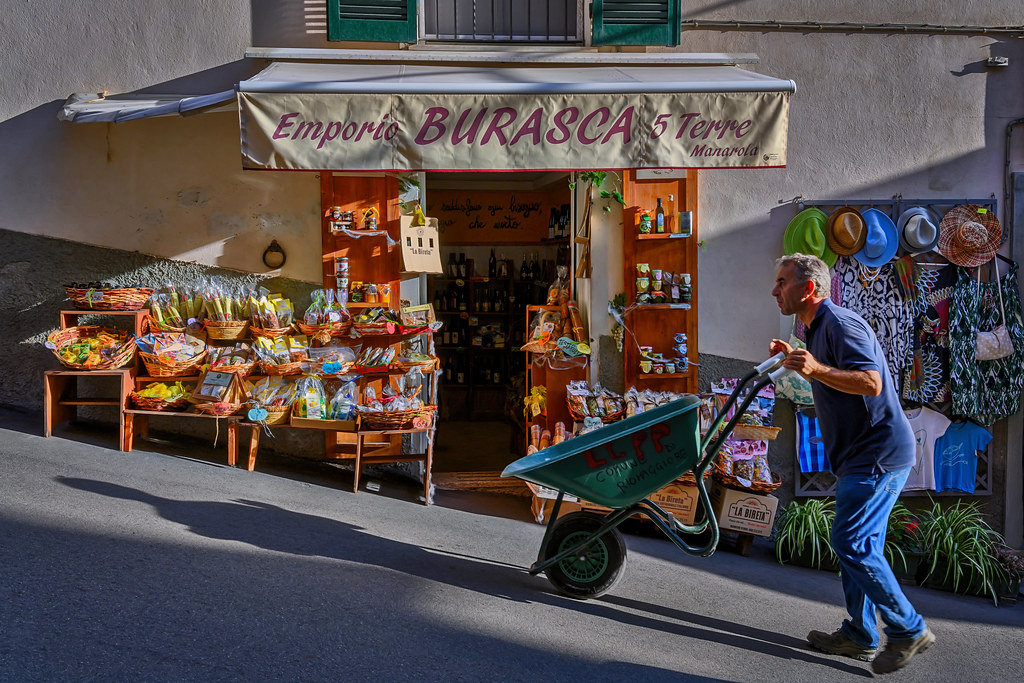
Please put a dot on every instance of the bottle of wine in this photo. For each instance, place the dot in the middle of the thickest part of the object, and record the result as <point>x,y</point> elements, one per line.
<point>552,223</point>
<point>535,268</point>
<point>524,270</point>
<point>462,265</point>
<point>438,301</point>
<point>453,268</point>
<point>492,265</point>
<point>463,304</point>
<point>502,267</point>
<point>659,217</point>
<point>563,222</point>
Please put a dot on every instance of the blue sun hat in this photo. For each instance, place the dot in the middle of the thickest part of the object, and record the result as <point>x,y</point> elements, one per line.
<point>882,241</point>
<point>805,234</point>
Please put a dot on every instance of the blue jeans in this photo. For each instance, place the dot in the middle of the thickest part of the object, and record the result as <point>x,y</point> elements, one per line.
<point>863,504</point>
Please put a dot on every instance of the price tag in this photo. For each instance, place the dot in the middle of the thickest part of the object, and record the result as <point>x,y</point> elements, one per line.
<point>93,296</point>
<point>50,345</point>
<point>592,423</point>
<point>332,368</point>
<point>459,283</point>
<point>257,414</point>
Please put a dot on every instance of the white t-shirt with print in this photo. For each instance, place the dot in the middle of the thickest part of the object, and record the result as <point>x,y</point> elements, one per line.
<point>928,426</point>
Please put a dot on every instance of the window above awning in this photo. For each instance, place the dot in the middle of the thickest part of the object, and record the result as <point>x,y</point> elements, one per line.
<point>459,117</point>
<point>93,107</point>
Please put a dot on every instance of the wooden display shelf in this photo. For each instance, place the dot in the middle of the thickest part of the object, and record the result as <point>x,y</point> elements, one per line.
<point>665,252</point>
<point>61,401</point>
<point>140,318</point>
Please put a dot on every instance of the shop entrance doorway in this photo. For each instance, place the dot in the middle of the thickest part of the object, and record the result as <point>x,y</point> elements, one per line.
<point>503,236</point>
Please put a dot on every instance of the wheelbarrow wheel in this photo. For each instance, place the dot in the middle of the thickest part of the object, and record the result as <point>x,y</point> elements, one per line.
<point>594,569</point>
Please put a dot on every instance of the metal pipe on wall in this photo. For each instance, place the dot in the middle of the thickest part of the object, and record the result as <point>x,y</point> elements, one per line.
<point>844,27</point>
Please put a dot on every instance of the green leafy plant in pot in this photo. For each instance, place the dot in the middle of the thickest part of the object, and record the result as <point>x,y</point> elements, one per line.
<point>961,549</point>
<point>903,546</point>
<point>803,535</point>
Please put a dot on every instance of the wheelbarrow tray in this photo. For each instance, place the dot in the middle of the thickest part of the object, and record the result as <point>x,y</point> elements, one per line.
<point>621,463</point>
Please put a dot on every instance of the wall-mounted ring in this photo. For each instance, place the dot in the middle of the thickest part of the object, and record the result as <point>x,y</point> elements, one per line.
<point>274,248</point>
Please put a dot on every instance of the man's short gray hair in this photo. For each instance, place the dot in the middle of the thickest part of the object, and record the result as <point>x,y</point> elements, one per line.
<point>809,268</point>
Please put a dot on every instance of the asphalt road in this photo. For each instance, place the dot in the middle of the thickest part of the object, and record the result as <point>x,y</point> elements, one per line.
<point>165,564</point>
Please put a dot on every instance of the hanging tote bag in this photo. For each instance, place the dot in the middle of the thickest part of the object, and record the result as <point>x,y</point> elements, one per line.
<point>995,344</point>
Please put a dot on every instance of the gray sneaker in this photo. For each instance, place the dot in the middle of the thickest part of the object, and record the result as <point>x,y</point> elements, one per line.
<point>897,653</point>
<point>839,644</point>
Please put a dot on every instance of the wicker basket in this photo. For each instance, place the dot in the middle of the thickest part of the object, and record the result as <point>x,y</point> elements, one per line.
<point>691,480</point>
<point>116,299</point>
<point>270,332</point>
<point>157,403</point>
<point>165,367</point>
<point>612,417</point>
<point>59,339</point>
<point>282,369</point>
<point>758,487</point>
<point>419,418</point>
<point>278,415</point>
<point>755,432</point>
<point>231,330</point>
<point>240,369</point>
<point>219,409</point>
<point>154,326</point>
<point>371,329</point>
<point>423,365</point>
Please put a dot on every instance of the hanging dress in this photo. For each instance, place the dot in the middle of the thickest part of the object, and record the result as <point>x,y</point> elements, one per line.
<point>985,390</point>
<point>874,294</point>
<point>926,372</point>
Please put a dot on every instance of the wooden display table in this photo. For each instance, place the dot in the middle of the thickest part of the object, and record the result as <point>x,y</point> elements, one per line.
<point>61,400</point>
<point>138,420</point>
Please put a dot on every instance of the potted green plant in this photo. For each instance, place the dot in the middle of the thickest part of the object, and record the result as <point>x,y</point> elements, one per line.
<point>803,535</point>
<point>961,549</point>
<point>903,544</point>
<point>1012,562</point>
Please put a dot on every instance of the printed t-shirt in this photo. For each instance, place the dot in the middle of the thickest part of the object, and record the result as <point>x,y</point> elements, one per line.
<point>862,434</point>
<point>928,426</point>
<point>956,456</point>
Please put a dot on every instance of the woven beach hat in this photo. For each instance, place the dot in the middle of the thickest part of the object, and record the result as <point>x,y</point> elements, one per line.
<point>805,234</point>
<point>845,231</point>
<point>919,230</point>
<point>969,235</point>
<point>882,239</point>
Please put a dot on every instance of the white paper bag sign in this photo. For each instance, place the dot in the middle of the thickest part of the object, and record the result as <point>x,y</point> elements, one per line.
<point>421,250</point>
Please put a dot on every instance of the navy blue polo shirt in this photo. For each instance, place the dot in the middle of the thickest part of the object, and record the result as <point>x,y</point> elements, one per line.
<point>861,434</point>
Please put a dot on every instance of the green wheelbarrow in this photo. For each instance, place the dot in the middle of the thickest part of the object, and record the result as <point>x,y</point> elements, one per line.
<point>618,466</point>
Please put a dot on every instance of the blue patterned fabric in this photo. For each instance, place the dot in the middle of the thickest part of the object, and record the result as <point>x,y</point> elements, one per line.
<point>809,448</point>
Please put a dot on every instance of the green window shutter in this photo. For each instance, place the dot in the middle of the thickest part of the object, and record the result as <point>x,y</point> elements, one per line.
<point>390,21</point>
<point>636,22</point>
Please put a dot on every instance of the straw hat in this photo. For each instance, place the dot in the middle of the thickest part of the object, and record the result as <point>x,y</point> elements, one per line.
<point>969,235</point>
<point>882,239</point>
<point>919,230</point>
<point>805,234</point>
<point>845,231</point>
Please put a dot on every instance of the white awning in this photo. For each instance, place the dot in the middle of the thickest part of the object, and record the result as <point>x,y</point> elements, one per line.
<point>93,107</point>
<point>452,117</point>
<point>449,79</point>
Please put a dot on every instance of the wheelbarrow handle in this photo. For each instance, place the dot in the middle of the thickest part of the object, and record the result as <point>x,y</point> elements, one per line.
<point>771,363</point>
